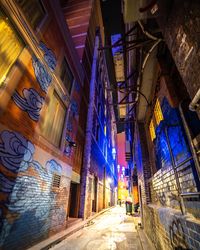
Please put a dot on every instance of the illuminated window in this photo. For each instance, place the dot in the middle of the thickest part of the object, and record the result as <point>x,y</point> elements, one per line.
<point>152,130</point>
<point>158,112</point>
<point>54,117</point>
<point>33,11</point>
<point>10,46</point>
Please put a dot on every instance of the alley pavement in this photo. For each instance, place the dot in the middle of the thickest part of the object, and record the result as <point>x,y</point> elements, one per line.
<point>109,231</point>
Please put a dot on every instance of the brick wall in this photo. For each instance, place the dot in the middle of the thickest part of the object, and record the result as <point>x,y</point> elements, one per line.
<point>168,229</point>
<point>33,202</point>
<point>142,162</point>
<point>163,220</point>
<point>181,33</point>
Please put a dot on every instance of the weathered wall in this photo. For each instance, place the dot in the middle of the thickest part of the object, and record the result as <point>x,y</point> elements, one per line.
<point>181,33</point>
<point>168,229</point>
<point>162,218</point>
<point>32,208</point>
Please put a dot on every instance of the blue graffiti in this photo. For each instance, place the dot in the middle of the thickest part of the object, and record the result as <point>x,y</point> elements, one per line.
<point>43,77</point>
<point>68,149</point>
<point>15,151</point>
<point>31,197</point>
<point>31,102</point>
<point>49,56</point>
<point>69,126</point>
<point>6,185</point>
<point>77,87</point>
<point>74,107</point>
<point>53,167</point>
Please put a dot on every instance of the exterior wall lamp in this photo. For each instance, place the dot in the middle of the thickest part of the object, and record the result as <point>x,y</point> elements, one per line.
<point>70,142</point>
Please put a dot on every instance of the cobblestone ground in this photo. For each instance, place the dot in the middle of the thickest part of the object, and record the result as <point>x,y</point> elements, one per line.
<point>109,231</point>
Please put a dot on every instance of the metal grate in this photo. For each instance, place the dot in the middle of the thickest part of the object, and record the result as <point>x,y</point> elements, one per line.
<point>56,180</point>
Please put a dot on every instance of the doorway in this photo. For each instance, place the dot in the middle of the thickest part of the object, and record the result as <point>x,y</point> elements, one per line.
<point>94,200</point>
<point>73,205</point>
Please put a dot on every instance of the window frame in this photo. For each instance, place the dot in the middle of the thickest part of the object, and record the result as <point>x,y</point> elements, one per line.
<point>15,73</point>
<point>64,59</point>
<point>16,31</point>
<point>53,90</point>
<point>39,26</point>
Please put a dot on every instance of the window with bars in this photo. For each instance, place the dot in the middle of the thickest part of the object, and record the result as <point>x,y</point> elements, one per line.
<point>33,10</point>
<point>11,45</point>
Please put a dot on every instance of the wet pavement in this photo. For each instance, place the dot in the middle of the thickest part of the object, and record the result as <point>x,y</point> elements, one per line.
<point>109,231</point>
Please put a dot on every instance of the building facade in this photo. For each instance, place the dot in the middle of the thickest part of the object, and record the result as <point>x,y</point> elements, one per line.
<point>45,77</point>
<point>167,127</point>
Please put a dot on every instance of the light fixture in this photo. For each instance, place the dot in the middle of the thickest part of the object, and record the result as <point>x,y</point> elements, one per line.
<point>70,142</point>
<point>109,180</point>
<point>114,153</point>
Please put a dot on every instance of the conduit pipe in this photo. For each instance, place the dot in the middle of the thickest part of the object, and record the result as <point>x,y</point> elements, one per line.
<point>195,103</point>
<point>143,66</point>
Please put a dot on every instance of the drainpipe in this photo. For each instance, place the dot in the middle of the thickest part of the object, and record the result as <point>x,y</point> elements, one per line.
<point>88,137</point>
<point>191,145</point>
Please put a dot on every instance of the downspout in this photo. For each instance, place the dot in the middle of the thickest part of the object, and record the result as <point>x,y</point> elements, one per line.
<point>88,137</point>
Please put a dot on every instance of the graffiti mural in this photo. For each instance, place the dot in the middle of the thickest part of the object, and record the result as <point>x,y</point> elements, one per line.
<point>16,151</point>
<point>31,102</point>
<point>29,202</point>
<point>68,149</point>
<point>49,56</point>
<point>177,235</point>
<point>74,107</point>
<point>43,77</point>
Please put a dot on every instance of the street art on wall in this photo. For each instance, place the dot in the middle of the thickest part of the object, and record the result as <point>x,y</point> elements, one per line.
<point>177,235</point>
<point>28,201</point>
<point>31,102</point>
<point>43,77</point>
<point>41,73</point>
<point>68,149</point>
<point>73,112</point>
<point>49,56</point>
<point>74,107</point>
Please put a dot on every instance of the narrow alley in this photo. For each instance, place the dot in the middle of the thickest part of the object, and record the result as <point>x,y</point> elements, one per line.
<point>109,231</point>
<point>99,108</point>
